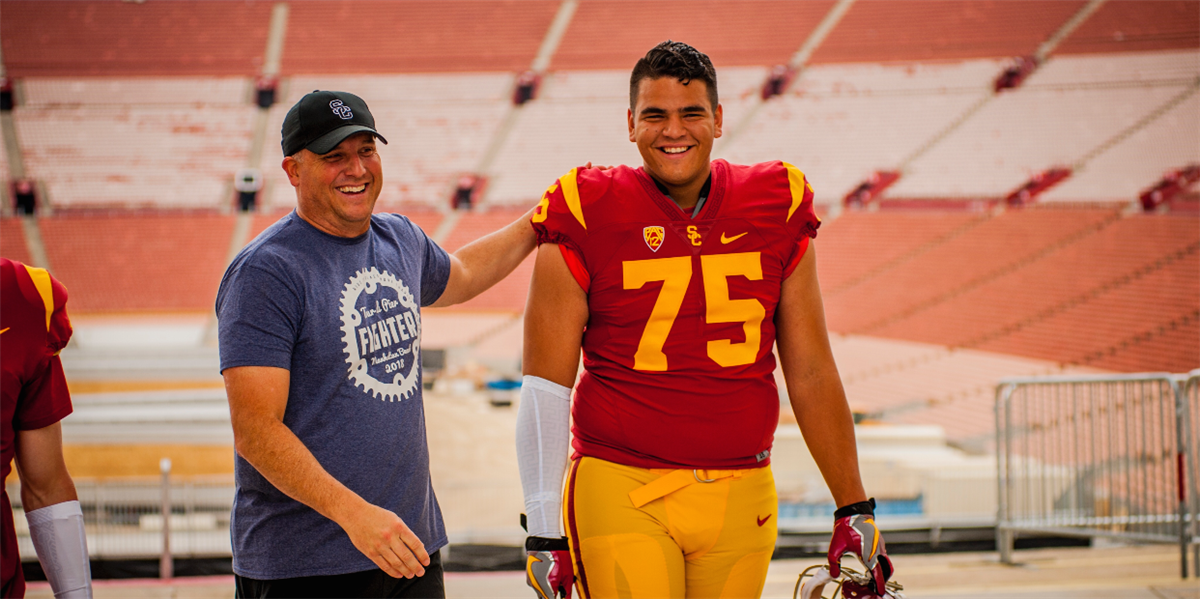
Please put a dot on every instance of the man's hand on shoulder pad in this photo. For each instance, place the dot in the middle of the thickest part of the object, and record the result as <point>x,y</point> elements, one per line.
<point>548,569</point>
<point>854,531</point>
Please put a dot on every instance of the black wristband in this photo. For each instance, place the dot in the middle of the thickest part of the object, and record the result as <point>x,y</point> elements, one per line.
<point>866,508</point>
<point>544,544</point>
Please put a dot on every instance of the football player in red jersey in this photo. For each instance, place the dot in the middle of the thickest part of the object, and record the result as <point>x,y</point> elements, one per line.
<point>676,280</point>
<point>33,328</point>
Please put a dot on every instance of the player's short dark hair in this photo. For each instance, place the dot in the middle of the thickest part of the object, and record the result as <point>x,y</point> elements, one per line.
<point>678,60</point>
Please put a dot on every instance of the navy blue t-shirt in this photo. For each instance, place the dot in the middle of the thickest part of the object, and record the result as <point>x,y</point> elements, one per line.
<point>343,315</point>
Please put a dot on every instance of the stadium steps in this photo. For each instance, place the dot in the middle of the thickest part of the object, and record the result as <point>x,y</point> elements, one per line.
<point>1072,273</point>
<point>1141,124</point>
<point>545,54</point>
<point>1181,329</point>
<point>614,34</point>
<point>1130,326</point>
<point>156,262</point>
<point>945,132</point>
<point>990,275</point>
<point>35,242</point>
<point>796,64</point>
<point>1121,280</point>
<point>1123,26</point>
<point>424,36</point>
<point>168,39</point>
<point>942,30</point>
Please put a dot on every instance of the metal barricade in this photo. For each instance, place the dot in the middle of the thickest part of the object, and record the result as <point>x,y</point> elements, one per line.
<point>1102,456</point>
<point>123,517</point>
<point>1190,403</point>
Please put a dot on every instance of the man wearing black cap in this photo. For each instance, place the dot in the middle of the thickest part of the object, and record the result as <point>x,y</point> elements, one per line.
<point>320,329</point>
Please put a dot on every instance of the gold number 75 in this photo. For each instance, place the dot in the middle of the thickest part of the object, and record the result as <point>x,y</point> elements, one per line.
<point>676,273</point>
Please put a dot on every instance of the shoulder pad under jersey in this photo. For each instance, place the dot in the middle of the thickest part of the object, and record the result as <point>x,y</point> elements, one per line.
<point>800,214</point>
<point>53,296</point>
<point>561,216</point>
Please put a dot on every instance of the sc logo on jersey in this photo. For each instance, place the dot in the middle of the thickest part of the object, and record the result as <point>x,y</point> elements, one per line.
<point>341,110</point>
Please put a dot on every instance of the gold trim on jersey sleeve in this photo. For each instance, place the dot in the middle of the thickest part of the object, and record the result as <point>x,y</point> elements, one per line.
<point>799,185</point>
<point>41,280</point>
<point>570,189</point>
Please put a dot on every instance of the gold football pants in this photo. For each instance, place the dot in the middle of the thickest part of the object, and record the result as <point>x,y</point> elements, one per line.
<point>636,532</point>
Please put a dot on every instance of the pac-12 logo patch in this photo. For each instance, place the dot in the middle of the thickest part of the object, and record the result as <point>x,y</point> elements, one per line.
<point>654,237</point>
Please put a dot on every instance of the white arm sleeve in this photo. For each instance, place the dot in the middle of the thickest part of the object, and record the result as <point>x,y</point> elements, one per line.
<point>543,433</point>
<point>61,546</point>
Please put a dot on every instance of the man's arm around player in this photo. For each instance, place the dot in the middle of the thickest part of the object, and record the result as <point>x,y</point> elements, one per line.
<point>258,397</point>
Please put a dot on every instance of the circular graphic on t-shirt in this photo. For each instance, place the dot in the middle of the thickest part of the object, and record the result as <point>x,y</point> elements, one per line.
<point>381,328</point>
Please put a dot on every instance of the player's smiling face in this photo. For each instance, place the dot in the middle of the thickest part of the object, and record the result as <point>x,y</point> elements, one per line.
<point>674,126</point>
<point>336,191</point>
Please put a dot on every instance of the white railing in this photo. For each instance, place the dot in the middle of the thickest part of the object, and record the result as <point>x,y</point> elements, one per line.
<point>1100,456</point>
<point>123,518</point>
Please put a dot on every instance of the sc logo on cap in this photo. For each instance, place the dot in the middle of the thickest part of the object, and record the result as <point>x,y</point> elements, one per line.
<point>341,110</point>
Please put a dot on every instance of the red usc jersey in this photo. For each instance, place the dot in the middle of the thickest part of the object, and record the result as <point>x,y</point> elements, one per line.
<point>677,351</point>
<point>33,329</point>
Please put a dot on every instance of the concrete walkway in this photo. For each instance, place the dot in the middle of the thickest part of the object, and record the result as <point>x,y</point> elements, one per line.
<point>1149,572</point>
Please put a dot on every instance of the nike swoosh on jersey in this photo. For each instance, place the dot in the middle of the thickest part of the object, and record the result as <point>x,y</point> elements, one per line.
<point>725,239</point>
<point>762,521</point>
<point>5,329</point>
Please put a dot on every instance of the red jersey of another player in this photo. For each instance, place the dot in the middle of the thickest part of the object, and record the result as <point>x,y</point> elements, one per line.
<point>677,351</point>
<point>33,328</point>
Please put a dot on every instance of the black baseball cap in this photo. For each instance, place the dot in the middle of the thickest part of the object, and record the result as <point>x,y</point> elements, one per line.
<point>322,119</point>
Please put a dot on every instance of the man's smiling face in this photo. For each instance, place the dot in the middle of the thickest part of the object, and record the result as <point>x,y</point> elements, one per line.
<point>674,126</point>
<point>336,191</point>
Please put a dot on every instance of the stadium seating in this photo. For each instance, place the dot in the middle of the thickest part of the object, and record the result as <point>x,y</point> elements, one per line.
<point>1170,346</point>
<point>898,381</point>
<point>438,127</point>
<point>150,262</point>
<point>441,328</point>
<point>580,117</point>
<point>1121,255</point>
<point>144,39</point>
<point>422,36</point>
<point>1136,26</point>
<point>132,117</point>
<point>860,244</point>
<point>264,219</point>
<point>1137,163</point>
<point>428,220</point>
<point>127,106</point>
<point>1064,111</point>
<point>840,123</point>
<point>12,240</point>
<point>508,295</point>
<point>4,177</point>
<point>1151,325</point>
<point>942,30</point>
<point>109,142</point>
<point>990,249</point>
<point>613,34</point>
